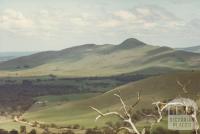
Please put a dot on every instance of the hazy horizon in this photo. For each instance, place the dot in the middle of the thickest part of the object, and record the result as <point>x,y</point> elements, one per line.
<point>54,25</point>
<point>32,52</point>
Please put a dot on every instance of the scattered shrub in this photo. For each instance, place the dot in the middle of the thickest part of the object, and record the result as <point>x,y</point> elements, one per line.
<point>76,126</point>
<point>13,132</point>
<point>93,131</point>
<point>68,132</point>
<point>33,131</point>
<point>3,131</point>
<point>52,125</point>
<point>22,129</point>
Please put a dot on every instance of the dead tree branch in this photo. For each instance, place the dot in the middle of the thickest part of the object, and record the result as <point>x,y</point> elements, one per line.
<point>127,118</point>
<point>183,86</point>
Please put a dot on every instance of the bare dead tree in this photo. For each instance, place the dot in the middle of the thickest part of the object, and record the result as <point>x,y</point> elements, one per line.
<point>125,117</point>
<point>161,106</point>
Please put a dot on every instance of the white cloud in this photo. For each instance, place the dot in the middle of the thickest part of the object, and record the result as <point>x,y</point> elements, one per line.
<point>42,24</point>
<point>138,19</point>
<point>56,23</point>
<point>111,23</point>
<point>143,11</point>
<point>47,24</point>
<point>61,25</point>
<point>78,21</point>
<point>13,20</point>
<point>124,14</point>
<point>192,28</point>
<point>147,17</point>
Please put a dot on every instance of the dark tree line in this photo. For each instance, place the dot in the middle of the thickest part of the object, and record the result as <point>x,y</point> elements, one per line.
<point>18,95</point>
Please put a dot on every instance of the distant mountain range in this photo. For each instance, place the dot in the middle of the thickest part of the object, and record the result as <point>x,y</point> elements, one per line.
<point>5,56</point>
<point>131,55</point>
<point>195,49</point>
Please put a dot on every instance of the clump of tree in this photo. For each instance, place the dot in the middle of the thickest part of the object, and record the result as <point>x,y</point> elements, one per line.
<point>2,131</point>
<point>76,126</point>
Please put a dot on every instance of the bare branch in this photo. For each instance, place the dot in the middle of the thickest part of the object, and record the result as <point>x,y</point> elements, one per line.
<point>126,119</point>
<point>123,104</point>
<point>143,131</point>
<point>126,128</point>
<point>106,114</point>
<point>129,120</point>
<point>153,123</point>
<point>138,100</point>
<point>159,110</point>
<point>150,115</point>
<point>183,86</point>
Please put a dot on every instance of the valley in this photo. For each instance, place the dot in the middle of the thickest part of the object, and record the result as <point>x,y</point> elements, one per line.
<point>54,89</point>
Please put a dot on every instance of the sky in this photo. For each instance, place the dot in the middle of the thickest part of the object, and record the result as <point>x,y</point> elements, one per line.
<point>40,25</point>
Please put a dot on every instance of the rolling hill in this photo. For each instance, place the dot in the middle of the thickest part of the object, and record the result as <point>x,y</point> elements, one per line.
<point>5,56</point>
<point>194,49</point>
<point>101,60</point>
<point>162,87</point>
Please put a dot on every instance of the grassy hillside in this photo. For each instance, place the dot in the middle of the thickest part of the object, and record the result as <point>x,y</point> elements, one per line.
<point>78,112</point>
<point>100,60</point>
<point>51,100</point>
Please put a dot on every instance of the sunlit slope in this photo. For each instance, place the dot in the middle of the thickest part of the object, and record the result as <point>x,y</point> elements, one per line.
<point>101,60</point>
<point>78,112</point>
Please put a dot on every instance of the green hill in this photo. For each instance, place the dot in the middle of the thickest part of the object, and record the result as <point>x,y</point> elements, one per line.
<point>78,112</point>
<point>101,60</point>
<point>195,49</point>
